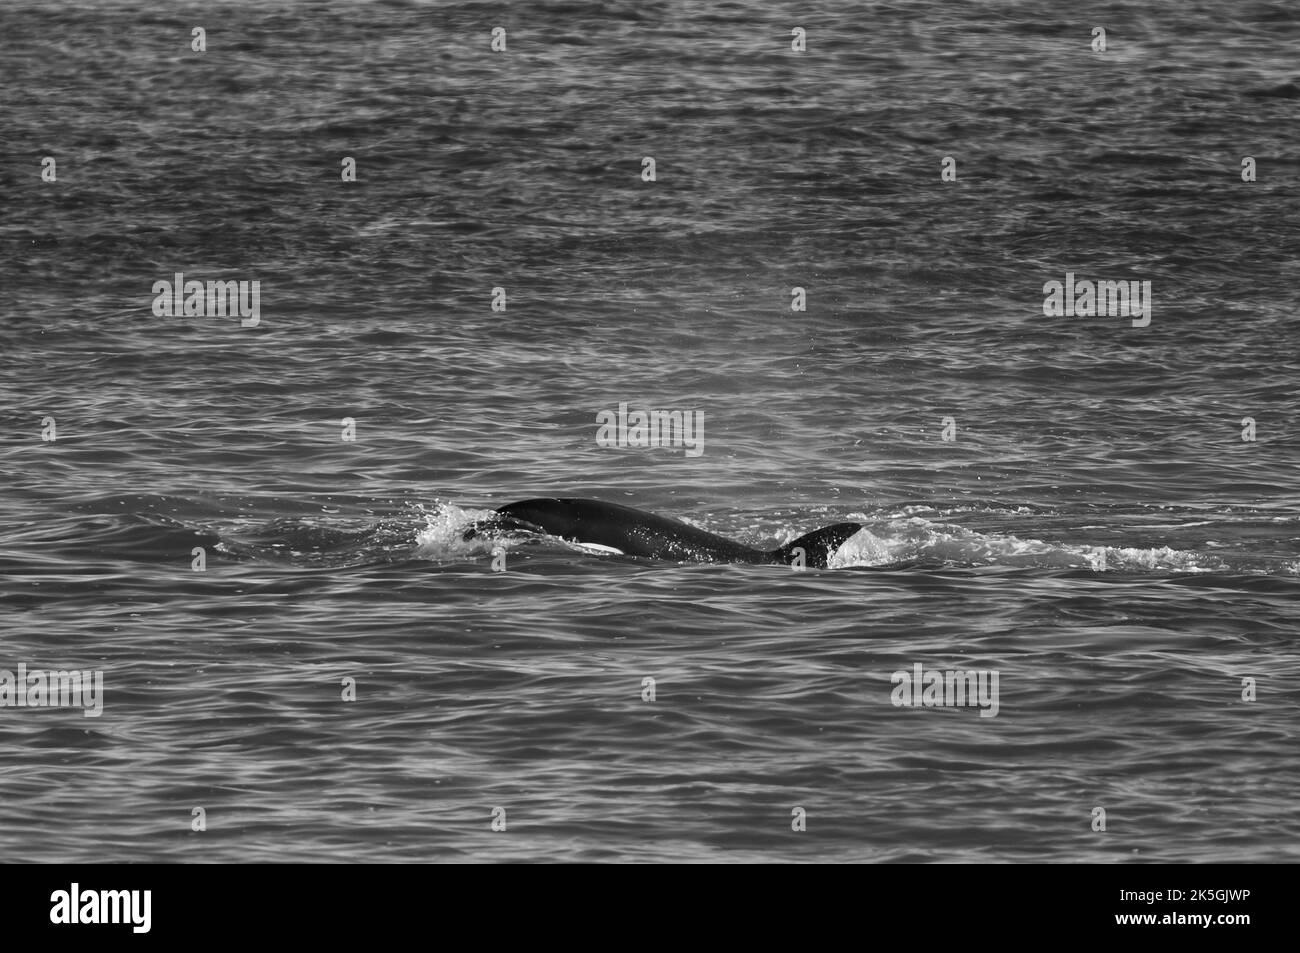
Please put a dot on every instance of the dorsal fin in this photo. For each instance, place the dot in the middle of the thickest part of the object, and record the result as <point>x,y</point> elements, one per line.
<point>817,545</point>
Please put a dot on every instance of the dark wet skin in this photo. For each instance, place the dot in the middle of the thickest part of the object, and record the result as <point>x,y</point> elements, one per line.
<point>635,532</point>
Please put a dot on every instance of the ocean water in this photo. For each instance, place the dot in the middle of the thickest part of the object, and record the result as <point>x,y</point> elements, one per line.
<point>1104,514</point>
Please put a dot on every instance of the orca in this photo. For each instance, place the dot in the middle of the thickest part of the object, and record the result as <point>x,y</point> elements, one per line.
<point>622,530</point>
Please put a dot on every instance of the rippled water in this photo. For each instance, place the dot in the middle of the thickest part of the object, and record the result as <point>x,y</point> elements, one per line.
<point>1098,532</point>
